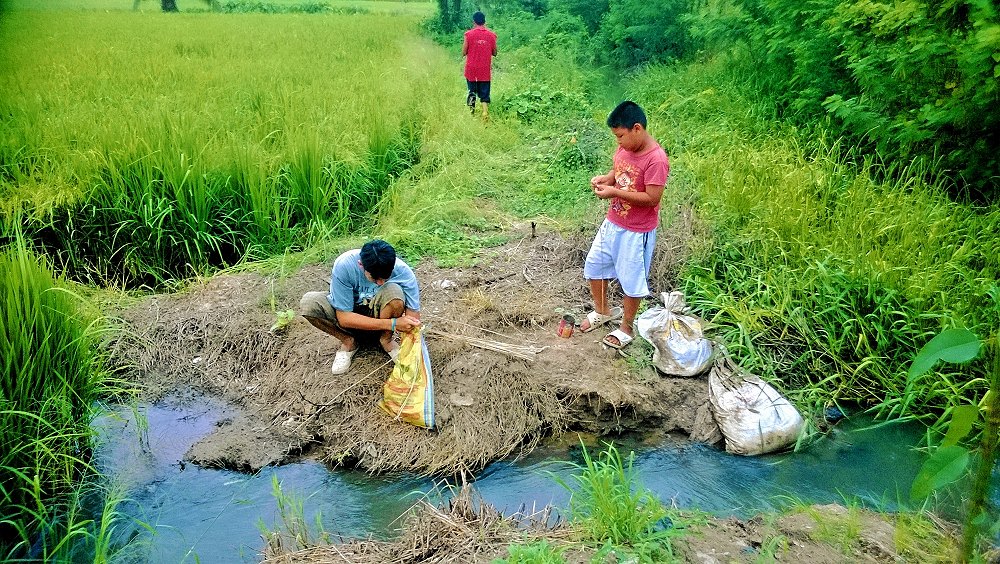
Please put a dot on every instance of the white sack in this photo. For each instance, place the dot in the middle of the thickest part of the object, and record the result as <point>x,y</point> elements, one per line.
<point>754,417</point>
<point>681,349</point>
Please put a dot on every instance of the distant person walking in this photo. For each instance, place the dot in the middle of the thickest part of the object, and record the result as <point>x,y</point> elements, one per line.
<point>479,47</point>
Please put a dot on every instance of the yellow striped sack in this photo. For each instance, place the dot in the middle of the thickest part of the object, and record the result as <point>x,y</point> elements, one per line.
<point>408,394</point>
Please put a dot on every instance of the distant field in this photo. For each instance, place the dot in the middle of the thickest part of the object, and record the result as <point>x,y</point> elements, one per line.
<point>82,86</point>
<point>395,7</point>
<point>210,136</point>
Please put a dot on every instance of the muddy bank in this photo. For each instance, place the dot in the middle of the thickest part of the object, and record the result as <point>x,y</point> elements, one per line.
<point>215,338</point>
<point>467,531</point>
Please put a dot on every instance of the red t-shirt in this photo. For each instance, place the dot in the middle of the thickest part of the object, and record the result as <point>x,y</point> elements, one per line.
<point>633,172</point>
<point>481,44</point>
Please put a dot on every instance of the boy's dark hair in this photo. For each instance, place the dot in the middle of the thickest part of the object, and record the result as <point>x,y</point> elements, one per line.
<point>479,18</point>
<point>626,115</point>
<point>378,258</point>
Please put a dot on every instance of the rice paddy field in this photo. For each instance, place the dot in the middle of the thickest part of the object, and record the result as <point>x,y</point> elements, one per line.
<point>140,149</point>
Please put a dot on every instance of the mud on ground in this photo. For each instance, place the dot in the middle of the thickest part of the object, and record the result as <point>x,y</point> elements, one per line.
<point>215,338</point>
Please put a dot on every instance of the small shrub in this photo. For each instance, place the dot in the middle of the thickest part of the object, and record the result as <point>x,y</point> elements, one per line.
<point>612,510</point>
<point>541,101</point>
<point>538,552</point>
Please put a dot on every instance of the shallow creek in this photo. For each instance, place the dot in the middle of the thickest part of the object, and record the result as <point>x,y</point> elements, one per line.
<point>192,514</point>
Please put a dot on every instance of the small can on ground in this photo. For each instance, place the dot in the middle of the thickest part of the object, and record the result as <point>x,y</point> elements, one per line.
<point>566,324</point>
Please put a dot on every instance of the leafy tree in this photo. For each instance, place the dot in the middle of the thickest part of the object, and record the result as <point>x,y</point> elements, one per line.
<point>634,32</point>
<point>910,79</point>
<point>589,11</point>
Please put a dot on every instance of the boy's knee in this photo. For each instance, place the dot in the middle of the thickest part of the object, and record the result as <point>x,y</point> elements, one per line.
<point>315,305</point>
<point>393,308</point>
<point>390,301</point>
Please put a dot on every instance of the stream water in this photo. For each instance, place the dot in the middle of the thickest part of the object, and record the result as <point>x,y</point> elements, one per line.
<point>184,513</point>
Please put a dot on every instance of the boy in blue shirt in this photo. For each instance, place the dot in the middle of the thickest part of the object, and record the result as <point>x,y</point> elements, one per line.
<point>370,290</point>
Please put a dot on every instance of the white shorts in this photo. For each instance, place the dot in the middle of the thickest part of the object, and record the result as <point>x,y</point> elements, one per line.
<point>622,254</point>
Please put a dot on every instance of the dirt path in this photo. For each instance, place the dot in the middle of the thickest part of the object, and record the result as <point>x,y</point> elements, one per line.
<point>215,339</point>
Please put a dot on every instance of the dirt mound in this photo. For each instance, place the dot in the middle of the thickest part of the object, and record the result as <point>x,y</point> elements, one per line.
<point>215,337</point>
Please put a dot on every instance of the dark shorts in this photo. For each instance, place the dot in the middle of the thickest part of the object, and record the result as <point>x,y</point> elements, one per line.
<point>481,89</point>
<point>317,304</point>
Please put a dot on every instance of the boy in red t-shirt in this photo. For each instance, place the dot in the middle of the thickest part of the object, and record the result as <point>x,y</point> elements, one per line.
<point>623,247</point>
<point>479,47</point>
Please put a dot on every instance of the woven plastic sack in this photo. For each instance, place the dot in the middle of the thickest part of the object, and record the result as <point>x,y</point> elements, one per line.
<point>753,416</point>
<point>408,394</point>
<point>681,349</point>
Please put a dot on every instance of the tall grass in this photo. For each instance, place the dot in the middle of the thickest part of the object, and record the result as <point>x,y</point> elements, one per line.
<point>49,380</point>
<point>820,275</point>
<point>612,510</point>
<point>135,160</point>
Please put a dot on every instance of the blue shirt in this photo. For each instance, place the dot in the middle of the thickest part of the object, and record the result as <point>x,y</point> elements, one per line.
<point>349,285</point>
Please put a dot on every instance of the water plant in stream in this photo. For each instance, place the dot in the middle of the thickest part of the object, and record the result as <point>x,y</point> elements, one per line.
<point>612,511</point>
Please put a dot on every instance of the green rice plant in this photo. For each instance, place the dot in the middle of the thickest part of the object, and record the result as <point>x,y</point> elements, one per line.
<point>293,531</point>
<point>612,510</point>
<point>166,191</point>
<point>536,552</point>
<point>50,378</point>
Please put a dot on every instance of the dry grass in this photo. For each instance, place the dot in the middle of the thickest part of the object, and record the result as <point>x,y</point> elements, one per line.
<point>464,529</point>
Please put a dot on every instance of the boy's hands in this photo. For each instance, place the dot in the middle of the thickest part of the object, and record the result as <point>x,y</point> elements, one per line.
<point>602,188</point>
<point>406,324</point>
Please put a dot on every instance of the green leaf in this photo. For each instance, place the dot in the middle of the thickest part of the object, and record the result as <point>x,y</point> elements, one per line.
<point>946,465</point>
<point>963,418</point>
<point>952,345</point>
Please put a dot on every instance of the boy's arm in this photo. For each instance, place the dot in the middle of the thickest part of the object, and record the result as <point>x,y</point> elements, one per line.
<point>352,320</point>
<point>647,199</point>
<point>605,179</point>
<point>465,46</point>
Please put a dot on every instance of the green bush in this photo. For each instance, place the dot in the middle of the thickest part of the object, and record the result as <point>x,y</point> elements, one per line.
<point>909,80</point>
<point>258,7</point>
<point>613,511</point>
<point>635,32</point>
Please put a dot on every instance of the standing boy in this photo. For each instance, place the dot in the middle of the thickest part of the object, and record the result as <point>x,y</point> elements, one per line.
<point>623,247</point>
<point>370,291</point>
<point>479,47</point>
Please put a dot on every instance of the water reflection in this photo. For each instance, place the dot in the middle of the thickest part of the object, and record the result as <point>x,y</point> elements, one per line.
<point>195,514</point>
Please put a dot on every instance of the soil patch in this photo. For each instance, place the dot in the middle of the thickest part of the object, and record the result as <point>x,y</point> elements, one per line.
<point>215,337</point>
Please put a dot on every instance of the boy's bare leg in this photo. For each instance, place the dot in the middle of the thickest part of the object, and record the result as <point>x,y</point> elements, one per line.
<point>486,109</point>
<point>347,342</point>
<point>390,310</point>
<point>630,306</point>
<point>599,292</point>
